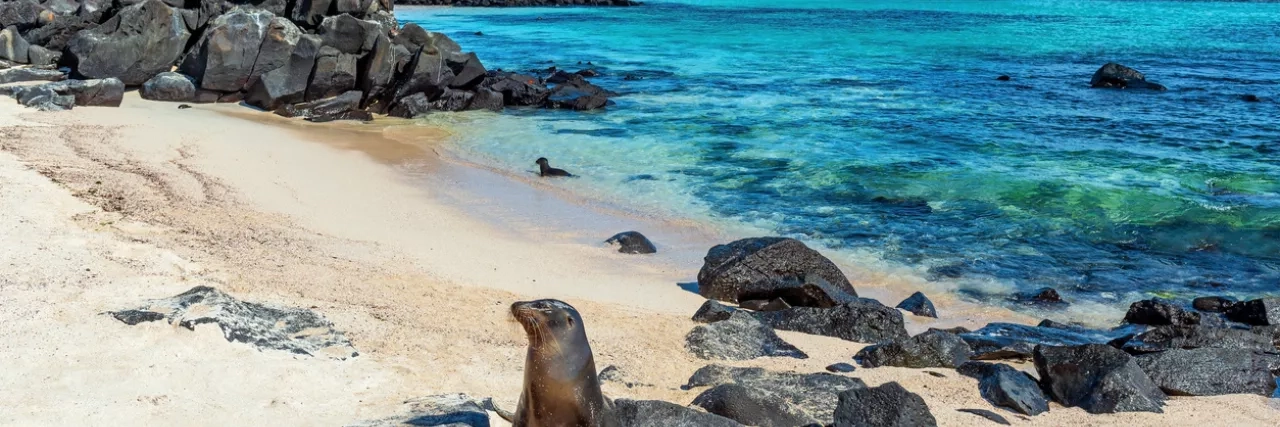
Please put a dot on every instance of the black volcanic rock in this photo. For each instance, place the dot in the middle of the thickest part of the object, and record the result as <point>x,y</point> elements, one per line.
<point>328,107</point>
<point>751,406</point>
<point>1006,387</point>
<point>1043,297</point>
<point>888,405</point>
<point>1211,371</point>
<point>740,337</point>
<point>1098,378</point>
<point>1258,312</point>
<point>841,367</point>
<point>226,53</point>
<point>13,47</point>
<point>516,89</point>
<point>454,410</point>
<point>286,84</point>
<point>1157,312</point>
<point>1212,304</point>
<point>712,311</point>
<point>14,75</point>
<point>1197,336</point>
<point>814,394</point>
<point>762,265</point>
<point>169,87</point>
<point>919,305</point>
<point>334,73</point>
<point>139,42</point>
<point>932,349</point>
<point>656,413</point>
<point>860,321</point>
<point>632,242</point>
<point>1117,76</point>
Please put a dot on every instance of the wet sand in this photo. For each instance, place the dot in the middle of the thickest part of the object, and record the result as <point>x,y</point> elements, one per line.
<point>414,254</point>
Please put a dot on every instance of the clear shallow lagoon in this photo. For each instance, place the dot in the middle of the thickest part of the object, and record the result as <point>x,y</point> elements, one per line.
<point>877,127</point>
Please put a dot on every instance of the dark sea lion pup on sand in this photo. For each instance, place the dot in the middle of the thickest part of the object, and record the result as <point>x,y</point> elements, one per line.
<point>545,169</point>
<point>560,384</point>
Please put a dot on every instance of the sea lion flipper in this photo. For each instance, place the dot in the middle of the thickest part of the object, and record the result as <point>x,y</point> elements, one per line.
<point>490,405</point>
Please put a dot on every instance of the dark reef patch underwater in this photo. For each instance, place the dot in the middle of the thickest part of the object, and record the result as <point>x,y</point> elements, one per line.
<point>881,127</point>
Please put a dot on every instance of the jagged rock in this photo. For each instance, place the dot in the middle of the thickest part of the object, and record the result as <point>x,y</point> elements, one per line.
<point>1258,312</point>
<point>20,13</point>
<point>712,311</point>
<point>347,34</point>
<point>1157,312</point>
<point>452,410</point>
<point>764,264</point>
<point>467,70</point>
<point>225,55</point>
<point>411,106</point>
<point>580,96</point>
<point>425,73</point>
<point>453,100</point>
<point>919,305</point>
<point>334,74</point>
<point>288,83</point>
<point>1271,331</point>
<point>1211,371</point>
<point>1003,341</point>
<point>516,89</point>
<point>377,69</point>
<point>356,115</point>
<point>486,99</point>
<point>346,102</point>
<point>740,337</point>
<point>840,367</point>
<point>1212,304</point>
<point>137,43</point>
<point>169,87</point>
<point>38,55</point>
<point>62,7</point>
<point>632,242</point>
<point>1098,378</point>
<point>1006,387</point>
<point>14,75</point>
<point>655,413</point>
<point>814,394</point>
<point>856,321</point>
<point>294,330</point>
<point>310,13</point>
<point>44,99</point>
<point>751,406</point>
<point>12,46</point>
<point>888,405</point>
<point>55,35</point>
<point>1043,297</point>
<point>107,92</point>
<point>932,349</point>
<point>1117,76</point>
<point>1197,336</point>
<point>416,38</point>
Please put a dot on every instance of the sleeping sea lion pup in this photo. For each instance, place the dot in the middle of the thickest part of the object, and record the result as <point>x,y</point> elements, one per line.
<point>545,169</point>
<point>560,384</point>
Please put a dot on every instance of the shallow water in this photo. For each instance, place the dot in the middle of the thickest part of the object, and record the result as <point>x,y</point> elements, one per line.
<point>877,127</point>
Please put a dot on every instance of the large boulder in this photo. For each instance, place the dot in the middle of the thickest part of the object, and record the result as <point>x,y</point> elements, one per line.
<point>169,87</point>
<point>1157,312</point>
<point>20,13</point>
<point>43,98</point>
<point>860,321</point>
<point>1258,312</point>
<point>488,99</point>
<point>467,70</point>
<point>310,13</point>
<point>740,337</point>
<point>108,92</point>
<point>453,100</point>
<point>330,107</point>
<point>411,106</point>
<point>14,75</point>
<point>12,46</point>
<point>377,68</point>
<point>40,56</point>
<point>1097,378</point>
<point>1003,341</point>
<point>1171,337</point>
<point>1211,371</point>
<point>888,405</point>
<point>1213,304</point>
<point>1117,76</point>
<point>580,96</point>
<point>55,35</point>
<point>712,311</point>
<point>764,265</point>
<point>225,55</point>
<point>334,74</point>
<point>288,83</point>
<point>139,42</point>
<point>919,305</point>
<point>517,89</point>
<point>1006,387</point>
<point>813,394</point>
<point>415,38</point>
<point>932,349</point>
<point>349,35</point>
<point>656,413</point>
<point>751,406</point>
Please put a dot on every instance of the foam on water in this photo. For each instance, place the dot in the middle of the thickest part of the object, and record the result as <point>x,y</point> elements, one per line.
<point>877,128</point>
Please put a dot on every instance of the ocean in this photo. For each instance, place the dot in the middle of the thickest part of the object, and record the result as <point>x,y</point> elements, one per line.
<point>878,129</point>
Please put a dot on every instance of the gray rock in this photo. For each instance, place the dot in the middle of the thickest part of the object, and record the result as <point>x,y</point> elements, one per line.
<point>310,13</point>
<point>467,70</point>
<point>295,330</point>
<point>453,100</point>
<point>425,73</point>
<point>94,10</point>
<point>487,99</point>
<point>814,394</point>
<point>44,99</point>
<point>888,405</point>
<point>579,96</point>
<point>21,13</point>
<point>1170,337</point>
<point>629,242</point>
<point>932,349</point>
<point>740,337</point>
<point>334,74</point>
<point>139,42</point>
<point>377,69</point>
<point>55,35</point>
<point>1098,378</point>
<point>1158,312</point>
<point>225,55</point>
<point>346,102</point>
<point>14,75</point>
<point>1211,371</point>
<point>654,413</point>
<point>451,410</point>
<point>348,35</point>
<point>1117,76</point>
<point>860,321</point>
<point>1003,341</point>
<point>411,106</point>
<point>712,311</point>
<point>919,305</point>
<point>288,83</point>
<point>38,55</point>
<point>12,46</point>
<point>108,92</point>
<point>1212,304</point>
<point>1258,312</point>
<point>62,7</point>
<point>169,87</point>
<point>763,265</point>
<point>516,89</point>
<point>751,406</point>
<point>282,37</point>
<point>1006,387</point>
<point>840,367</point>
<point>415,38</point>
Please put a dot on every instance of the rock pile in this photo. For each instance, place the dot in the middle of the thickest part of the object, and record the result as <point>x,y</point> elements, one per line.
<point>516,3</point>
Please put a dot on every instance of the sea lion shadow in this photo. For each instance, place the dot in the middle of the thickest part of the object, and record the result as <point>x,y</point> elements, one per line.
<point>689,286</point>
<point>463,418</point>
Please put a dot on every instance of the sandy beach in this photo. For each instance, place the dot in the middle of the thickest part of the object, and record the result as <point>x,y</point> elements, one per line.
<point>414,255</point>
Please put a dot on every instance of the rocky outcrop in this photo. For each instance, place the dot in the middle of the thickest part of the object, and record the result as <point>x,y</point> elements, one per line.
<point>762,268</point>
<point>656,413</point>
<point>1258,312</point>
<point>1197,336</point>
<point>919,305</point>
<point>1097,378</point>
<point>888,405</point>
<point>295,330</point>
<point>932,349</point>
<point>456,410</point>
<point>813,395</point>
<point>860,321</point>
<point>740,337</point>
<point>137,43</point>
<point>629,242</point>
<point>1211,371</point>
<point>169,87</point>
<point>1157,312</point>
<point>1117,76</point>
<point>1006,387</point>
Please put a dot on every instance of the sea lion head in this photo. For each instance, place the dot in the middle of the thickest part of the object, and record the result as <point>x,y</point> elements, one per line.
<point>543,162</point>
<point>550,323</point>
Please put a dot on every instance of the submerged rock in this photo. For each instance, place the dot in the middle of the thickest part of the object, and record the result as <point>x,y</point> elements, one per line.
<point>814,394</point>
<point>762,266</point>
<point>919,305</point>
<point>655,413</point>
<point>1006,387</point>
<point>751,406</point>
<point>740,337</point>
<point>1157,312</point>
<point>1211,371</point>
<point>632,242</point>
<point>1097,378</point>
<point>859,321</point>
<point>294,330</point>
<point>712,311</point>
<point>1197,336</point>
<point>1258,312</point>
<point>454,410</point>
<point>888,405</point>
<point>1043,297</point>
<point>1117,76</point>
<point>932,349</point>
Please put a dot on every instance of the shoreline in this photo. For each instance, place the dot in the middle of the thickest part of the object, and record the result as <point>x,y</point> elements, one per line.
<point>150,201</point>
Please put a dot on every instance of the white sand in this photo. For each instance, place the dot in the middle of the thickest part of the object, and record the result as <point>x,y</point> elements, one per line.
<point>101,208</point>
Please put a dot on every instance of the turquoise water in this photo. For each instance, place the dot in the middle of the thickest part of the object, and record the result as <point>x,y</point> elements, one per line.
<point>877,127</point>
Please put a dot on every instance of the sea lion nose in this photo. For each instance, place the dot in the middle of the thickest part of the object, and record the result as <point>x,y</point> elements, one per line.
<point>517,306</point>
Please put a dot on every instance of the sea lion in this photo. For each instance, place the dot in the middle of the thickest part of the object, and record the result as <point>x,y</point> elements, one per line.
<point>560,384</point>
<point>545,169</point>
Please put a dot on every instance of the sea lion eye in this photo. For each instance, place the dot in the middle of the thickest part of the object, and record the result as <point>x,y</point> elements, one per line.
<point>568,320</point>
